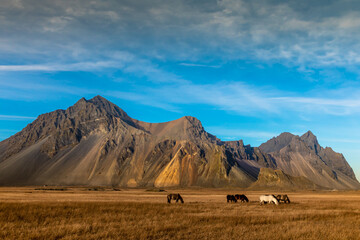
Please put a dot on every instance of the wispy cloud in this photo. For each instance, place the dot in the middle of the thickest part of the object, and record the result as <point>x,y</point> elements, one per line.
<point>238,133</point>
<point>32,90</point>
<point>144,100</point>
<point>321,101</point>
<point>124,61</point>
<point>244,99</point>
<point>81,66</point>
<point>234,97</point>
<point>199,65</point>
<point>16,118</point>
<point>340,140</point>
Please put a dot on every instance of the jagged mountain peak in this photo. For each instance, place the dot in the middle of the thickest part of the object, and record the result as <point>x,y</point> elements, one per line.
<point>285,135</point>
<point>308,134</point>
<point>99,103</point>
<point>311,140</point>
<point>193,120</point>
<point>285,139</point>
<point>99,98</point>
<point>102,102</point>
<point>188,127</point>
<point>309,137</point>
<point>277,143</point>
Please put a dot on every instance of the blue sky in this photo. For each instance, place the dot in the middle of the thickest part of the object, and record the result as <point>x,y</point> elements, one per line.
<point>247,69</point>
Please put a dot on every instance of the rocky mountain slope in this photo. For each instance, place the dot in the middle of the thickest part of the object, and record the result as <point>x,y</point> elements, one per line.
<point>303,156</point>
<point>94,142</point>
<point>276,179</point>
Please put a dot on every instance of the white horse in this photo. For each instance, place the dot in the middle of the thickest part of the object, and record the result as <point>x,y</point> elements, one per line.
<point>268,199</point>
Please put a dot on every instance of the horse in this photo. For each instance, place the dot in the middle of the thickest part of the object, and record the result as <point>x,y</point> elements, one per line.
<point>174,196</point>
<point>283,198</point>
<point>241,197</point>
<point>231,198</point>
<point>268,199</point>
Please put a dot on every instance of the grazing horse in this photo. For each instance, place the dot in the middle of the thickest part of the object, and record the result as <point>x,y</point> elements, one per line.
<point>174,196</point>
<point>241,197</point>
<point>231,198</point>
<point>283,198</point>
<point>268,199</point>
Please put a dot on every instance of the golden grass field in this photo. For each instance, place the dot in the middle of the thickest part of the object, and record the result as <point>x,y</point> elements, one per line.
<point>77,213</point>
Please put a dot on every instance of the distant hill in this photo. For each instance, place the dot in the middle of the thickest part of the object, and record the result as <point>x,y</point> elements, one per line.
<point>94,142</point>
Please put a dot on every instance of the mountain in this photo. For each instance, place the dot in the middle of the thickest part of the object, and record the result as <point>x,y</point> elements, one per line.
<point>303,156</point>
<point>94,142</point>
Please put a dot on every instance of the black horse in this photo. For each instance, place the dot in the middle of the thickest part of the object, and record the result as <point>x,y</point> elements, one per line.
<point>241,197</point>
<point>231,198</point>
<point>174,196</point>
<point>283,198</point>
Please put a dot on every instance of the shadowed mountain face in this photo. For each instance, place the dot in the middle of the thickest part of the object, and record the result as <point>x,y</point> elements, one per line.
<point>94,142</point>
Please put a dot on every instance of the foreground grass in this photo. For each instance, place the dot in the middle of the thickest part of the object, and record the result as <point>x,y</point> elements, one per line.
<point>125,220</point>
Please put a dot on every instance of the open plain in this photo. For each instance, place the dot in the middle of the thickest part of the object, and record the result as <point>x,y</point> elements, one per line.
<point>106,213</point>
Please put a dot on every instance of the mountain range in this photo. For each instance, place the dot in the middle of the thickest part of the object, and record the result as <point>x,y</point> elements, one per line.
<point>94,142</point>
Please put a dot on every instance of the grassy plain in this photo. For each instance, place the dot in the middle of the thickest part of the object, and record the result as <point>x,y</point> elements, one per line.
<point>78,213</point>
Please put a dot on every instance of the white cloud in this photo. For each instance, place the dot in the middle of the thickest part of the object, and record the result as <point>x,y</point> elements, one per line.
<point>186,31</point>
<point>240,133</point>
<point>243,99</point>
<point>81,66</point>
<point>199,65</point>
<point>16,118</point>
<point>119,60</point>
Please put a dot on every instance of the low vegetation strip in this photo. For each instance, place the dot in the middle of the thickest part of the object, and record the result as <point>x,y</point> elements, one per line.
<point>197,220</point>
<point>50,189</point>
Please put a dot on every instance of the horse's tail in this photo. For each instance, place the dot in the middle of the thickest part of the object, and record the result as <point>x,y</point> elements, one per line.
<point>168,198</point>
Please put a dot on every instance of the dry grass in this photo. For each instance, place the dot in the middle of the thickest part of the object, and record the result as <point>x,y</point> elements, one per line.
<point>137,214</point>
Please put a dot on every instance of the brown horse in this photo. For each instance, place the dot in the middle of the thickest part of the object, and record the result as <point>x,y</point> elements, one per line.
<point>175,197</point>
<point>231,198</point>
<point>241,197</point>
<point>283,198</point>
